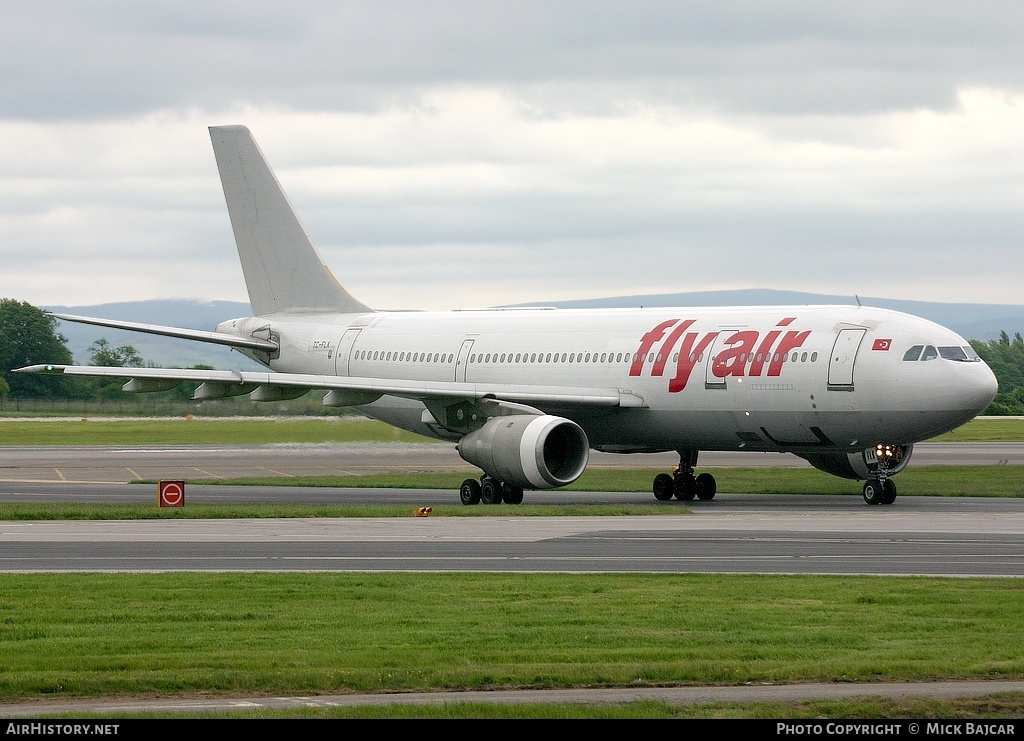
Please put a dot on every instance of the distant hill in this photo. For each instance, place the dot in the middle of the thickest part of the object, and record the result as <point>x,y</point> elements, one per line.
<point>973,321</point>
<point>162,351</point>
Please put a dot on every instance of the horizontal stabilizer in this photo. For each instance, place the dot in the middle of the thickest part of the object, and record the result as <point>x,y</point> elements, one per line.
<point>216,338</point>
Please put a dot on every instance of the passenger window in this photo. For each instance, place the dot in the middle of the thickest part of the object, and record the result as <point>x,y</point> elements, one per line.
<point>930,353</point>
<point>913,353</point>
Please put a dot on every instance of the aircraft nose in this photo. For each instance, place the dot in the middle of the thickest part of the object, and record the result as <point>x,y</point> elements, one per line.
<point>981,388</point>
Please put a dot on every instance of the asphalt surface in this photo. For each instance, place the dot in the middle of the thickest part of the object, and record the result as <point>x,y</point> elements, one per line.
<point>123,464</point>
<point>805,534</point>
<point>675,695</point>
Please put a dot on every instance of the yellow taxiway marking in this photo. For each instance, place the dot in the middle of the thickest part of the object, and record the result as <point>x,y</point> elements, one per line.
<point>54,481</point>
<point>207,473</point>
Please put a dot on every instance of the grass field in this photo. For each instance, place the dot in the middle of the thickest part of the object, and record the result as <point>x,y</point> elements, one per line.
<point>263,430</point>
<point>188,634</point>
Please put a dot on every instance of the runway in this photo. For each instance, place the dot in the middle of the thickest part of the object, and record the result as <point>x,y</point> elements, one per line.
<point>734,534</point>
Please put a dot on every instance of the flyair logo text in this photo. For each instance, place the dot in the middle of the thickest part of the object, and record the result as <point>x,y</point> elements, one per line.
<point>740,353</point>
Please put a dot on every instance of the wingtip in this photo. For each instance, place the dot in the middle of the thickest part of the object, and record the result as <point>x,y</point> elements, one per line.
<point>40,368</point>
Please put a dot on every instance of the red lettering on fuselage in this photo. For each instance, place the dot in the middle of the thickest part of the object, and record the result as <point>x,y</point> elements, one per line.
<point>689,356</point>
<point>659,364</point>
<point>791,341</point>
<point>740,350</point>
<point>732,359</point>
<point>646,343</point>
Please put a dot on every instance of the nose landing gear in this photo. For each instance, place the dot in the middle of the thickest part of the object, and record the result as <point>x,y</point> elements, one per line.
<point>880,489</point>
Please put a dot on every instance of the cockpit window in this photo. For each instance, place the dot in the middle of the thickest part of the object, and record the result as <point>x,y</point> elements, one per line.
<point>913,353</point>
<point>962,354</point>
<point>953,353</point>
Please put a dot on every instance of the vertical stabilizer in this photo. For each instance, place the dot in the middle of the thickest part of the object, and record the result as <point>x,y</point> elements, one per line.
<point>283,270</point>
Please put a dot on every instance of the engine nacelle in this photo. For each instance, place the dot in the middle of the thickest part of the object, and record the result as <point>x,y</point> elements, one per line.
<point>534,452</point>
<point>861,465</point>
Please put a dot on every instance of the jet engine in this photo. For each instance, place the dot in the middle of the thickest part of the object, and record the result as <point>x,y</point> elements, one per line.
<point>862,465</point>
<point>530,451</point>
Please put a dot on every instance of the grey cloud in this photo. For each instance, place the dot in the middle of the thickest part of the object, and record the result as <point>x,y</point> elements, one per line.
<point>118,58</point>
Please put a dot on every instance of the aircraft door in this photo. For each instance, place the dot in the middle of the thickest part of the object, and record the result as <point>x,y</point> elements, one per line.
<point>342,359</point>
<point>463,360</point>
<point>843,358</point>
<point>711,381</point>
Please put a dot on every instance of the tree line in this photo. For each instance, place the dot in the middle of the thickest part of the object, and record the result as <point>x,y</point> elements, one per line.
<point>1006,359</point>
<point>29,335</point>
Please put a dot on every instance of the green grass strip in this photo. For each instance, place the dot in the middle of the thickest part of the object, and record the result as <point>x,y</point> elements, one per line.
<point>201,431</point>
<point>129,634</point>
<point>986,481</point>
<point>253,431</point>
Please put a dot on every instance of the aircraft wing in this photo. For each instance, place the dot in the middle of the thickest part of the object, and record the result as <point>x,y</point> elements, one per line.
<point>263,385</point>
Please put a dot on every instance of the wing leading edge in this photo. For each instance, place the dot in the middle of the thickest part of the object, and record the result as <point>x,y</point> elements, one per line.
<point>350,391</point>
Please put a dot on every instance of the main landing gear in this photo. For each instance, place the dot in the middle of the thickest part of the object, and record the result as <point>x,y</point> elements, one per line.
<point>489,491</point>
<point>881,489</point>
<point>682,483</point>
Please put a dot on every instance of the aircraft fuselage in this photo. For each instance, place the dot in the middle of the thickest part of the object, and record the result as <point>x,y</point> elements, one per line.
<point>759,378</point>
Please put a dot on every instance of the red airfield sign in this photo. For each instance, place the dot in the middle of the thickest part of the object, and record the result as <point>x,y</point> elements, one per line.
<point>171,493</point>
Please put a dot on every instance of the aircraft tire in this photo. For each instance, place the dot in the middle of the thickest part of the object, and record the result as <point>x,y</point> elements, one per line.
<point>686,487</point>
<point>664,487</point>
<point>513,494</point>
<point>873,491</point>
<point>707,487</point>
<point>469,492</point>
<point>889,492</point>
<point>490,492</point>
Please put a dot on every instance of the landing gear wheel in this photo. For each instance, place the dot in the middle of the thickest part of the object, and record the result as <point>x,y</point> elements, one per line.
<point>888,492</point>
<point>707,487</point>
<point>490,492</point>
<point>469,492</point>
<point>873,491</point>
<point>513,494</point>
<point>664,487</point>
<point>686,487</point>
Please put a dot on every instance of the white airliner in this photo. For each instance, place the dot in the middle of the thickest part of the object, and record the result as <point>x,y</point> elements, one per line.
<point>525,394</point>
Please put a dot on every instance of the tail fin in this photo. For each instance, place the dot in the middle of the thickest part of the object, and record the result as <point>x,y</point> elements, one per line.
<point>283,270</point>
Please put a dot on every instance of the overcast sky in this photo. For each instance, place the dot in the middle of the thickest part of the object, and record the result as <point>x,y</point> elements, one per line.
<point>451,154</point>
